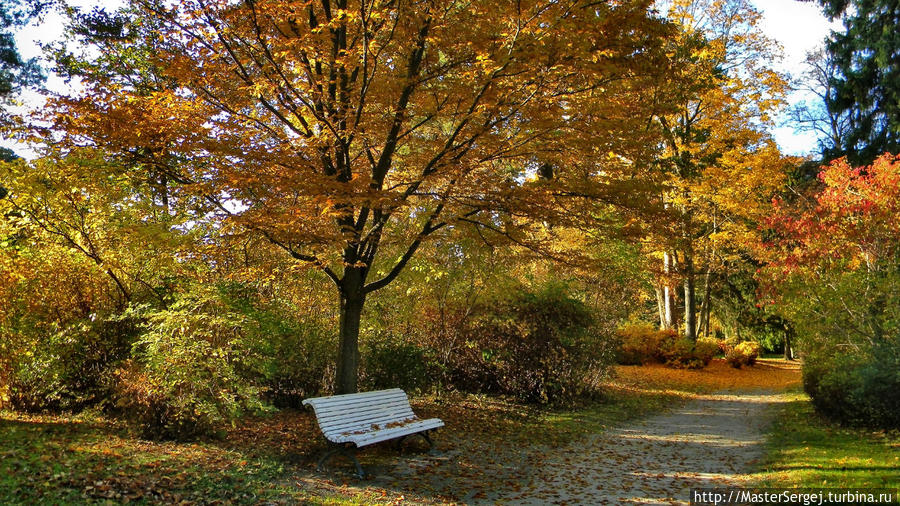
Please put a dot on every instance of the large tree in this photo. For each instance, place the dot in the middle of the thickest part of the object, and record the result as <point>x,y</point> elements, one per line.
<point>339,130</point>
<point>867,85</point>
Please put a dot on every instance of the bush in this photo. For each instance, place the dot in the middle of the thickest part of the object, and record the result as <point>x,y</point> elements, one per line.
<point>390,362</point>
<point>750,349</point>
<point>538,347</point>
<point>297,359</point>
<point>642,344</point>
<point>69,369</point>
<point>680,354</point>
<point>289,359</point>
<point>184,381</point>
<point>706,349</point>
<point>744,353</point>
<point>860,388</point>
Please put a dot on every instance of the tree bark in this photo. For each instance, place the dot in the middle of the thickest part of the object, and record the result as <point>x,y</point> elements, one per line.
<point>705,306</point>
<point>668,296</point>
<point>352,300</point>
<point>788,333</point>
<point>660,305</point>
<point>690,299</point>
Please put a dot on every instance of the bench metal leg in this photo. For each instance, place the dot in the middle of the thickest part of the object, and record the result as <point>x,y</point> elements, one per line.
<point>423,434</point>
<point>343,451</point>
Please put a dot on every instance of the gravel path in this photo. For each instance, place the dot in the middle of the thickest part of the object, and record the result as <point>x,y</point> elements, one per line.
<point>711,441</point>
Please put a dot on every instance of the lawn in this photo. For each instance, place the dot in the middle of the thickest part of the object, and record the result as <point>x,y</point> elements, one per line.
<point>806,450</point>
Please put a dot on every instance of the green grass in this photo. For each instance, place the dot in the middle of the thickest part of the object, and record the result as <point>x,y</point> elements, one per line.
<point>806,450</point>
<point>71,460</point>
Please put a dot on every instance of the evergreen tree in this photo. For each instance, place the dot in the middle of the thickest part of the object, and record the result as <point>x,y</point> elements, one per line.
<point>867,86</point>
<point>14,71</point>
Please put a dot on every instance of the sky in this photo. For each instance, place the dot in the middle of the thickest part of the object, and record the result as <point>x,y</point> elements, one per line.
<point>797,26</point>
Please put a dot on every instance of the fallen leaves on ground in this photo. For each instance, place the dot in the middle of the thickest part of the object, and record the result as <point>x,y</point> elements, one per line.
<point>488,444</point>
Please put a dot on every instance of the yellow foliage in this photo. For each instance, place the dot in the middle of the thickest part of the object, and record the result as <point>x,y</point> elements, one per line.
<point>768,374</point>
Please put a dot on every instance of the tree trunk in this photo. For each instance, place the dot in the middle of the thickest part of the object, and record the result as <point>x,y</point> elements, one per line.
<point>704,312</point>
<point>353,298</point>
<point>788,352</point>
<point>690,299</point>
<point>668,296</point>
<point>660,305</point>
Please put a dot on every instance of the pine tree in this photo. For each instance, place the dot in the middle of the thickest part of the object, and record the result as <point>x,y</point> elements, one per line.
<point>867,86</point>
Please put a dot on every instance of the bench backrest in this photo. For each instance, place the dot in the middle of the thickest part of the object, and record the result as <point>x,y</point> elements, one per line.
<point>362,412</point>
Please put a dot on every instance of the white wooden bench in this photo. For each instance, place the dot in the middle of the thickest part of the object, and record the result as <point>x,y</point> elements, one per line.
<point>367,418</point>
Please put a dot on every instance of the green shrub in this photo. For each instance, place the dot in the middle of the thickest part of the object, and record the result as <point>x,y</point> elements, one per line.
<point>735,358</point>
<point>290,359</point>
<point>299,365</point>
<point>751,349</point>
<point>390,362</point>
<point>184,381</point>
<point>297,359</point>
<point>857,388</point>
<point>706,349</point>
<point>679,353</point>
<point>69,369</point>
<point>538,347</point>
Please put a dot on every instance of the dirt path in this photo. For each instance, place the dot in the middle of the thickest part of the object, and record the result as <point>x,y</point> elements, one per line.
<point>711,441</point>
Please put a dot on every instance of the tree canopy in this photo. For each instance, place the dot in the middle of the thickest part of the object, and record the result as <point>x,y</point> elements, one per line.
<point>334,129</point>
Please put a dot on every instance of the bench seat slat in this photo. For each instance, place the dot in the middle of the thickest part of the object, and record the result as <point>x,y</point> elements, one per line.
<point>360,412</point>
<point>391,433</point>
<point>366,426</point>
<point>365,397</point>
<point>372,416</point>
<point>350,403</point>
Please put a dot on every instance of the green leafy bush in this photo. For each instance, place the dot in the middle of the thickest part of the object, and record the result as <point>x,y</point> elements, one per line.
<point>183,381</point>
<point>390,362</point>
<point>857,388</point>
<point>298,361</point>
<point>706,349</point>
<point>687,354</point>
<point>539,347</point>
<point>679,353</point>
<point>69,369</point>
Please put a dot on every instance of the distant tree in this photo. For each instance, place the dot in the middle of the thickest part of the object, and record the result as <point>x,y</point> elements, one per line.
<point>14,71</point>
<point>721,166</point>
<point>867,85</point>
<point>818,81</point>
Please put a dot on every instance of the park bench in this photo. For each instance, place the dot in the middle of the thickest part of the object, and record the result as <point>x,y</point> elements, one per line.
<point>367,418</point>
